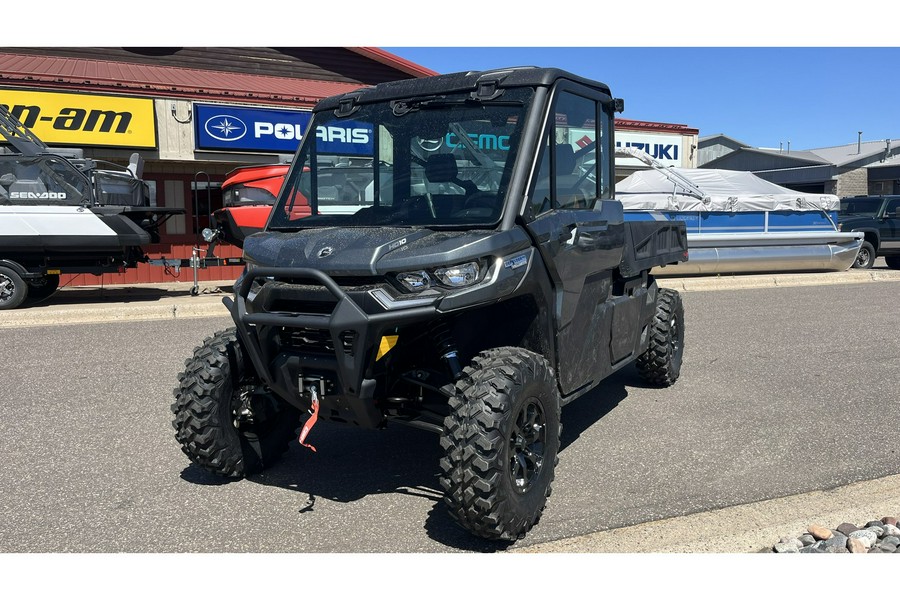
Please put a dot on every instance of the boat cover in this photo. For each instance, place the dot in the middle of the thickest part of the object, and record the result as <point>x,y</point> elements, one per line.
<point>722,190</point>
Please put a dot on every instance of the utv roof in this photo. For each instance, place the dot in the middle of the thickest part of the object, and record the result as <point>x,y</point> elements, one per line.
<point>458,82</point>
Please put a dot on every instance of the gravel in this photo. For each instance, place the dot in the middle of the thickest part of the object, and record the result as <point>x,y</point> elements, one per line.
<point>874,537</point>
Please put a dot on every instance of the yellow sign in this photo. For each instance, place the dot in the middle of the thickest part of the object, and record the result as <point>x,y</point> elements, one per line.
<point>84,120</point>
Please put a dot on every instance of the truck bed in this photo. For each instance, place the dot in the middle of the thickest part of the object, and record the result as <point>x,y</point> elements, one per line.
<point>652,243</point>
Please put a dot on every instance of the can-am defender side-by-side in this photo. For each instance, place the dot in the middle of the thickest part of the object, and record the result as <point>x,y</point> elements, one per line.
<point>465,269</point>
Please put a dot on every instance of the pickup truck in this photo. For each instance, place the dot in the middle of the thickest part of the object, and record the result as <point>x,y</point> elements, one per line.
<point>445,253</point>
<point>878,217</point>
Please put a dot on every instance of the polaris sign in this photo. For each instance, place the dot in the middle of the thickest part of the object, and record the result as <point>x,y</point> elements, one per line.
<point>221,127</point>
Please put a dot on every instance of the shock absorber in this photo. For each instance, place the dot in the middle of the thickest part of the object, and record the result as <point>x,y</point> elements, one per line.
<point>446,346</point>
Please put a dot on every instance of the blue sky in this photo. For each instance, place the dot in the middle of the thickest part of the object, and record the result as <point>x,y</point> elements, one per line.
<point>810,97</point>
<point>766,73</point>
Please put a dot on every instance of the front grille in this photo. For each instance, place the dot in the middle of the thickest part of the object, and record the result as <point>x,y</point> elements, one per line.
<point>310,341</point>
<point>294,296</point>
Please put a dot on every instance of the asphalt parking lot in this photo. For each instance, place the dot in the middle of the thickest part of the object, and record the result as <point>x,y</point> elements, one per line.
<point>698,533</point>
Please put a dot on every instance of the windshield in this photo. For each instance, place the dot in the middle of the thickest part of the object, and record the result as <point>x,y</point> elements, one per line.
<point>864,207</point>
<point>45,179</point>
<point>428,162</point>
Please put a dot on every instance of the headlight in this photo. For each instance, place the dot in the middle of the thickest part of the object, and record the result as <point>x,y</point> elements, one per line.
<point>458,276</point>
<point>417,281</point>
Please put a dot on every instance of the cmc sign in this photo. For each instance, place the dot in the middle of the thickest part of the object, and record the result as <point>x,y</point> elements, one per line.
<point>664,148</point>
<point>221,127</point>
<point>83,119</point>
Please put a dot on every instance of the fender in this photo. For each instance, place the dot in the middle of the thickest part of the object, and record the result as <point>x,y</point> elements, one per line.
<point>870,234</point>
<point>19,269</point>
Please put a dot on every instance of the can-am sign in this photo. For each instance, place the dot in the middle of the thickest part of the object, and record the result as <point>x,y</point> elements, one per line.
<point>222,127</point>
<point>84,119</point>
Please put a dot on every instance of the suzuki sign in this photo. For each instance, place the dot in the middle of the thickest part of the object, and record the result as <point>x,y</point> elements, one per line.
<point>667,149</point>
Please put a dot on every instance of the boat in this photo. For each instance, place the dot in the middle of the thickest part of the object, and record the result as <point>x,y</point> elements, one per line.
<point>737,222</point>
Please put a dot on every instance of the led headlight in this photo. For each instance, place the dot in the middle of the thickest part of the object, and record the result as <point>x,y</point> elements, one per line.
<point>415,281</point>
<point>458,276</point>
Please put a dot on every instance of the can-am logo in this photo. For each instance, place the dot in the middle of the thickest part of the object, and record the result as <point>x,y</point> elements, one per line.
<point>37,195</point>
<point>73,119</point>
<point>225,128</point>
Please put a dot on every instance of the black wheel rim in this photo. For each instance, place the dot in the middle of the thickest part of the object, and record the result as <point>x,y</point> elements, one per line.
<point>527,443</point>
<point>675,338</point>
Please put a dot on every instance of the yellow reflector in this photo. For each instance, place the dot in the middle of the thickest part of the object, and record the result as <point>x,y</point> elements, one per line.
<point>53,272</point>
<point>387,344</point>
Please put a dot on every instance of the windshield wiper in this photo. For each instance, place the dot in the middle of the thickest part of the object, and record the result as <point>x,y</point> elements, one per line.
<point>403,107</point>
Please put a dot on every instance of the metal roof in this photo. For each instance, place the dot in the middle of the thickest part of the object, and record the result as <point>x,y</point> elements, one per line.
<point>850,153</point>
<point>147,80</point>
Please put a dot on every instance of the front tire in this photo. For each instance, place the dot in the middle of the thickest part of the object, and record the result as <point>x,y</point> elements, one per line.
<point>660,363</point>
<point>13,289</point>
<point>501,443</point>
<point>211,424</point>
<point>866,256</point>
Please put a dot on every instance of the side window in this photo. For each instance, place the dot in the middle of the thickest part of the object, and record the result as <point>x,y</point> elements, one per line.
<point>568,176</point>
<point>893,208</point>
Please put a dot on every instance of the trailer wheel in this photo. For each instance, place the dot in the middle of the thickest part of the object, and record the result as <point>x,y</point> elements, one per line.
<point>501,442</point>
<point>660,364</point>
<point>866,257</point>
<point>13,289</point>
<point>38,292</point>
<point>212,404</point>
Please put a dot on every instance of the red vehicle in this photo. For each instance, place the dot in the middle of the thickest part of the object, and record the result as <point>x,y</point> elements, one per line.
<point>248,194</point>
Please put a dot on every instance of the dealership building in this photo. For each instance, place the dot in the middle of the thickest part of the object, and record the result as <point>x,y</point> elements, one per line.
<point>195,114</point>
<point>855,169</point>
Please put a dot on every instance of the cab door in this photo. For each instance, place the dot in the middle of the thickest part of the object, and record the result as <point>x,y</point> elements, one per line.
<point>579,230</point>
<point>889,226</point>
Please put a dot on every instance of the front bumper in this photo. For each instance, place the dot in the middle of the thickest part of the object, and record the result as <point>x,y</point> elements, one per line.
<point>342,338</point>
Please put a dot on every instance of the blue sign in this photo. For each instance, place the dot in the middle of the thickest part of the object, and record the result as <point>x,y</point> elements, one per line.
<point>345,137</point>
<point>221,127</point>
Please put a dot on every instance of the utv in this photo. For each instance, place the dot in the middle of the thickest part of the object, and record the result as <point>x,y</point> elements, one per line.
<point>465,269</point>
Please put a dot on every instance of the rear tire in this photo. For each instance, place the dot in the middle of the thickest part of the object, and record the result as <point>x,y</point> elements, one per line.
<point>212,389</point>
<point>501,443</point>
<point>893,262</point>
<point>866,256</point>
<point>660,364</point>
<point>13,289</point>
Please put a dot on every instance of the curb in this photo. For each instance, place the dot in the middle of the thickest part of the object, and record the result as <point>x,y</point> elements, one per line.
<point>153,302</point>
<point>739,282</point>
<point>747,528</point>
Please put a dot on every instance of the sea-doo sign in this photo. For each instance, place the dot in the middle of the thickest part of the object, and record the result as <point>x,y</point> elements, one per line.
<point>222,127</point>
<point>84,119</point>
